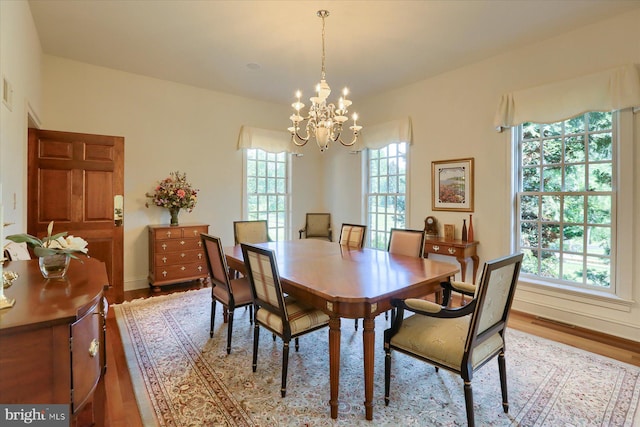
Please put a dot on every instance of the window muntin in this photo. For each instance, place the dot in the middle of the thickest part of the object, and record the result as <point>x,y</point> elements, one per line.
<point>267,191</point>
<point>386,194</point>
<point>566,201</point>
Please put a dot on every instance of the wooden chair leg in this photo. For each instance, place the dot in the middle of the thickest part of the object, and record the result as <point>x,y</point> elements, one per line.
<point>387,376</point>
<point>356,324</point>
<point>213,315</point>
<point>468,400</point>
<point>503,381</point>
<point>285,366</point>
<point>256,337</point>
<point>229,331</point>
<point>297,345</point>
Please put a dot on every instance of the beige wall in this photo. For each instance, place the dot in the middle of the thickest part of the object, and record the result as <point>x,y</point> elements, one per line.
<point>452,117</point>
<point>20,64</point>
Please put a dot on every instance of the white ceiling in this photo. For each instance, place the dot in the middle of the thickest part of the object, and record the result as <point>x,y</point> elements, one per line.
<point>267,49</point>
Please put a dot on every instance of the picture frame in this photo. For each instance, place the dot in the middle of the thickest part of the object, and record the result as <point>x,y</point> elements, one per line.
<point>452,185</point>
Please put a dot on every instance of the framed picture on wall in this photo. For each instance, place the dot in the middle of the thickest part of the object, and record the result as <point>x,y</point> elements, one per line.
<point>452,185</point>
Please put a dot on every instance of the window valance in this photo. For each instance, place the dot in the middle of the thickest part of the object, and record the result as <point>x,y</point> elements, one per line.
<point>383,134</point>
<point>609,90</point>
<point>273,141</point>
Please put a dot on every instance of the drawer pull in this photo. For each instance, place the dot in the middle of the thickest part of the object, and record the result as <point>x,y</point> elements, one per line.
<point>452,251</point>
<point>93,347</point>
<point>164,246</point>
<point>164,273</point>
<point>168,234</point>
<point>199,243</point>
<point>199,268</point>
<point>436,248</point>
<point>164,259</point>
<point>199,256</point>
<point>183,268</point>
<point>182,242</point>
<point>195,232</point>
<point>183,255</point>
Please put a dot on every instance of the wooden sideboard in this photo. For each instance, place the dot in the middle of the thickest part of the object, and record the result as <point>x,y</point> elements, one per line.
<point>52,341</point>
<point>460,249</point>
<point>176,254</point>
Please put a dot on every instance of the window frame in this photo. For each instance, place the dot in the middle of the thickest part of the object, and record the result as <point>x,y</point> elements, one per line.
<point>264,215</point>
<point>620,295</point>
<point>366,158</point>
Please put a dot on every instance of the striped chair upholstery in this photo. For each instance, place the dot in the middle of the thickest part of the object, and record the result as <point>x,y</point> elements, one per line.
<point>352,235</point>
<point>282,315</point>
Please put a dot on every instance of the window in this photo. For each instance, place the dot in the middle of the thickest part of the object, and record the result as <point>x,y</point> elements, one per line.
<point>566,200</point>
<point>386,192</point>
<point>267,190</point>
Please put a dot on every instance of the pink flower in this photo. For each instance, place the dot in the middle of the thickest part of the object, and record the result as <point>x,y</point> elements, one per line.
<point>181,193</point>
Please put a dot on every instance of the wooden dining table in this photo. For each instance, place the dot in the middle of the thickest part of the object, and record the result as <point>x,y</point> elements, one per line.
<point>349,283</point>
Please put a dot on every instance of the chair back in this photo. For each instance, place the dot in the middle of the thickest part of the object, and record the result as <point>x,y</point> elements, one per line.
<point>250,232</point>
<point>262,271</point>
<point>352,235</point>
<point>494,297</point>
<point>318,225</point>
<point>406,242</point>
<point>216,261</point>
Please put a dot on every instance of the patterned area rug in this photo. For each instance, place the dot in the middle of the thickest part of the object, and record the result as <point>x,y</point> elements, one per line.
<point>184,378</point>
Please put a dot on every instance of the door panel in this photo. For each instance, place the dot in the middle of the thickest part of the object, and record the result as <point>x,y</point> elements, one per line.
<point>72,180</point>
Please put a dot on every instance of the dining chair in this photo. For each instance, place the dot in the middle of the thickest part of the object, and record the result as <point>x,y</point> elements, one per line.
<point>317,225</point>
<point>461,339</point>
<point>403,242</point>
<point>231,293</point>
<point>352,235</point>
<point>251,232</point>
<point>280,314</point>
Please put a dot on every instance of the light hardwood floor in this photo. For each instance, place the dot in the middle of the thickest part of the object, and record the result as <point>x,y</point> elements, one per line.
<point>122,409</point>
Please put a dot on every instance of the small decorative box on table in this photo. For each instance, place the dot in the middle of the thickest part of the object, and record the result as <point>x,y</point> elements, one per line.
<point>176,254</point>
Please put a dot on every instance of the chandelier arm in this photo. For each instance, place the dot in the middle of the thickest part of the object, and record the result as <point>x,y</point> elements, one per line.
<point>302,140</point>
<point>348,144</point>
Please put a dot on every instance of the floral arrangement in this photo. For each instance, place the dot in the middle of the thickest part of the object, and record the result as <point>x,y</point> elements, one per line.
<point>174,192</point>
<point>54,244</point>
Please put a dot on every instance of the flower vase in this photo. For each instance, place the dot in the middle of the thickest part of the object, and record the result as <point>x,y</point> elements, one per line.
<point>470,232</point>
<point>54,266</point>
<point>174,215</point>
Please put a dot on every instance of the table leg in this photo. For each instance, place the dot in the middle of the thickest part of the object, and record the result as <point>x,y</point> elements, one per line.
<point>463,267</point>
<point>475,267</point>
<point>368,339</point>
<point>334,363</point>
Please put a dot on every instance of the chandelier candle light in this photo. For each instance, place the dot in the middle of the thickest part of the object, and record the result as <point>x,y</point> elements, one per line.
<point>324,122</point>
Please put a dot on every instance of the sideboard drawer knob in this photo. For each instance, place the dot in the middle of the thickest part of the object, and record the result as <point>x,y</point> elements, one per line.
<point>436,248</point>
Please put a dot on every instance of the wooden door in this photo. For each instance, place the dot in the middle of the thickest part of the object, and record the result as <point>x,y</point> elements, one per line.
<point>73,179</point>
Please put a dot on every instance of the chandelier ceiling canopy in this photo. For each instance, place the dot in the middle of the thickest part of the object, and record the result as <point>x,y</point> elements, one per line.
<point>324,121</point>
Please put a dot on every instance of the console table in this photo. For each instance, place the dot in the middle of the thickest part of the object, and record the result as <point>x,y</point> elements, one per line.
<point>460,249</point>
<point>52,340</point>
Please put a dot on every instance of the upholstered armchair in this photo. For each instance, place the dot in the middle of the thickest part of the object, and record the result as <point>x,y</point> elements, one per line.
<point>462,339</point>
<point>250,232</point>
<point>317,225</point>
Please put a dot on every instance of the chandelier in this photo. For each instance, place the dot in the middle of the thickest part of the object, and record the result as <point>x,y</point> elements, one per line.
<point>324,121</point>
